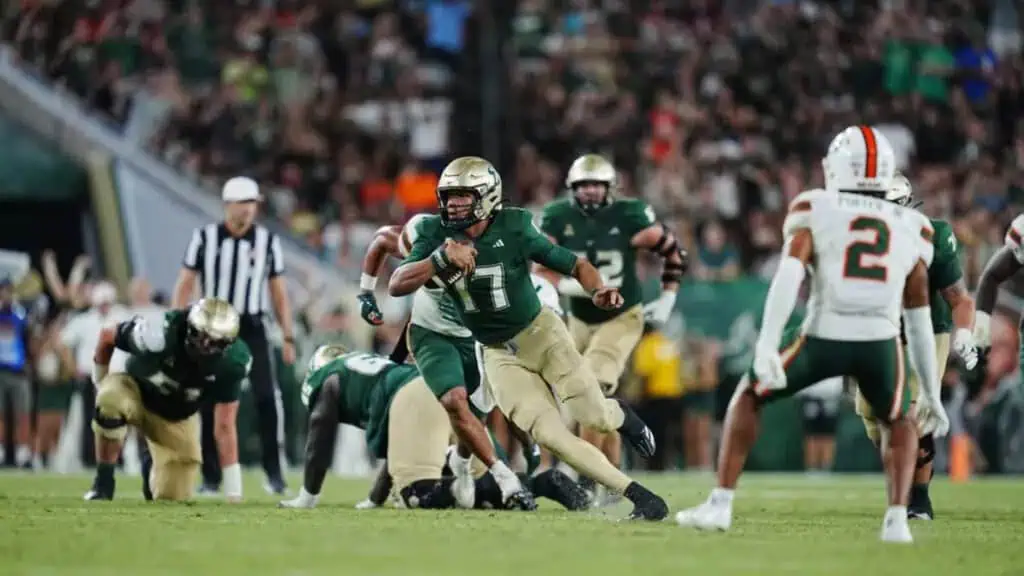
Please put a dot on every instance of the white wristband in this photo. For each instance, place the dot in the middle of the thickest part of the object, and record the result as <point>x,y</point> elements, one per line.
<point>232,481</point>
<point>367,283</point>
<point>571,287</point>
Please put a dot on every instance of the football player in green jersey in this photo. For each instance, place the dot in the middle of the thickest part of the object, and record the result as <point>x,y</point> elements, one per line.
<point>952,311</point>
<point>403,421</point>
<point>482,254</point>
<point>193,357</point>
<point>609,231</point>
<point>444,352</point>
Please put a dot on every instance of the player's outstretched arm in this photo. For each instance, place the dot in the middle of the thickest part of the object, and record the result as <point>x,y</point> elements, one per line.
<point>384,244</point>
<point>917,319</point>
<point>323,430</point>
<point>784,289</point>
<point>659,239</point>
<point>1003,265</point>
<point>225,436</point>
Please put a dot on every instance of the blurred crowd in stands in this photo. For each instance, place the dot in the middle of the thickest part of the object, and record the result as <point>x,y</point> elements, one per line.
<point>717,112</point>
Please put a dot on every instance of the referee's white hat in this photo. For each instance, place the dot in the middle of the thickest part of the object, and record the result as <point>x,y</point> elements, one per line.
<point>241,189</point>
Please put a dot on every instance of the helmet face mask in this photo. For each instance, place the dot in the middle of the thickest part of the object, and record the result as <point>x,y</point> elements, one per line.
<point>468,191</point>
<point>212,326</point>
<point>901,192</point>
<point>591,181</point>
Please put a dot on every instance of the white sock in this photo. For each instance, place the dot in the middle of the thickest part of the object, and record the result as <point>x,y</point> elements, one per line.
<point>306,497</point>
<point>460,466</point>
<point>895,513</point>
<point>23,454</point>
<point>721,496</point>
<point>507,480</point>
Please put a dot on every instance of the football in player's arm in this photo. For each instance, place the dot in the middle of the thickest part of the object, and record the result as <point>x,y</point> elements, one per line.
<point>193,358</point>
<point>1006,262</point>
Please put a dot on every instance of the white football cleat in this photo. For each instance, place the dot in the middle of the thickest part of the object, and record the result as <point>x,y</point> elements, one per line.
<point>707,516</point>
<point>464,491</point>
<point>895,527</point>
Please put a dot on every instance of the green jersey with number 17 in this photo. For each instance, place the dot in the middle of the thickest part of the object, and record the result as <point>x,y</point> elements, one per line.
<point>172,384</point>
<point>604,238</point>
<point>498,300</point>
<point>368,383</point>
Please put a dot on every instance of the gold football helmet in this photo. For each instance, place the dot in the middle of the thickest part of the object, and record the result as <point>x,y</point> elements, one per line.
<point>324,355</point>
<point>468,176</point>
<point>591,182</point>
<point>213,325</point>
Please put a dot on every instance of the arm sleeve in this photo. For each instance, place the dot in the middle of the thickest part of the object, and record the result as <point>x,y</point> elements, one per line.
<point>542,250</point>
<point>926,241</point>
<point>426,241</point>
<point>195,246</point>
<point>137,336</point>
<point>1014,239</point>
<point>276,257</point>
<point>945,269</point>
<point>798,217</point>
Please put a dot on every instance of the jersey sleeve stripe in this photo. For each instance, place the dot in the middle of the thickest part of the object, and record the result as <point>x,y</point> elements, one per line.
<point>871,152</point>
<point>800,206</point>
<point>1014,235</point>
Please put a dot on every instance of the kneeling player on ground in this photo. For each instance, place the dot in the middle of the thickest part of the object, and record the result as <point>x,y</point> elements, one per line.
<point>482,254</point>
<point>404,423</point>
<point>868,256</point>
<point>194,357</point>
<point>952,308</point>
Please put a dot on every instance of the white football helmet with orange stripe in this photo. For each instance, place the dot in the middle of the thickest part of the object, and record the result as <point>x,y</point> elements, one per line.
<point>859,159</point>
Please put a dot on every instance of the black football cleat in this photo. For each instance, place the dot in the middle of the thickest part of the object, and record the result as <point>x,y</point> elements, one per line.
<point>100,491</point>
<point>557,486</point>
<point>522,500</point>
<point>636,432</point>
<point>275,486</point>
<point>646,504</point>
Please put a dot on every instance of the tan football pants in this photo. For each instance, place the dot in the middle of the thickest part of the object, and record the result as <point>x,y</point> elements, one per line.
<point>606,347</point>
<point>418,433</point>
<point>871,425</point>
<point>519,374</point>
<point>174,445</point>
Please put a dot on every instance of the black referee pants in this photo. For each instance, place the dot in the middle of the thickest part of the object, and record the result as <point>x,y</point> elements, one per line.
<point>263,386</point>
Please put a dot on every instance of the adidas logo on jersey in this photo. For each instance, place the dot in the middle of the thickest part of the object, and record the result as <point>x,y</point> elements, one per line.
<point>614,230</point>
<point>499,244</point>
<point>568,230</point>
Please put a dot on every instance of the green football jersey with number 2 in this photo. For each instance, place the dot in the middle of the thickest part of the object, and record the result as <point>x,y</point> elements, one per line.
<point>498,300</point>
<point>943,273</point>
<point>604,239</point>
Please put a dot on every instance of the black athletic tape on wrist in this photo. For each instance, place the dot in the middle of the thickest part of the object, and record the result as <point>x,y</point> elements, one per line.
<point>440,259</point>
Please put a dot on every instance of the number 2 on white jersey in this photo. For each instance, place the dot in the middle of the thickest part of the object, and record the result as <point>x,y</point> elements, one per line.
<point>854,265</point>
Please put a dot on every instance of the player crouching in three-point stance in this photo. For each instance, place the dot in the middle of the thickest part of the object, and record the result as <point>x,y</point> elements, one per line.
<point>172,369</point>
<point>404,423</point>
<point>952,310</point>
<point>869,258</point>
<point>482,255</point>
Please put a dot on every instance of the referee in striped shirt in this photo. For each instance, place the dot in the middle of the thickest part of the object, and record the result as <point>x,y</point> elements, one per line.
<point>241,262</point>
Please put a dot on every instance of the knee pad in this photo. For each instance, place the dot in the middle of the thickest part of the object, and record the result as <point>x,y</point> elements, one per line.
<point>114,427</point>
<point>925,450</point>
<point>428,494</point>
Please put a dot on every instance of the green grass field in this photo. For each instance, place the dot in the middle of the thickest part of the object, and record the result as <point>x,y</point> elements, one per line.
<point>784,525</point>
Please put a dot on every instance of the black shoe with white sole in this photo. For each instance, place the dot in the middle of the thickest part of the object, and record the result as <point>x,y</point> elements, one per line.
<point>636,432</point>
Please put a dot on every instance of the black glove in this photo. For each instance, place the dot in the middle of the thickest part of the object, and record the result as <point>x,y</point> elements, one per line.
<point>368,309</point>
